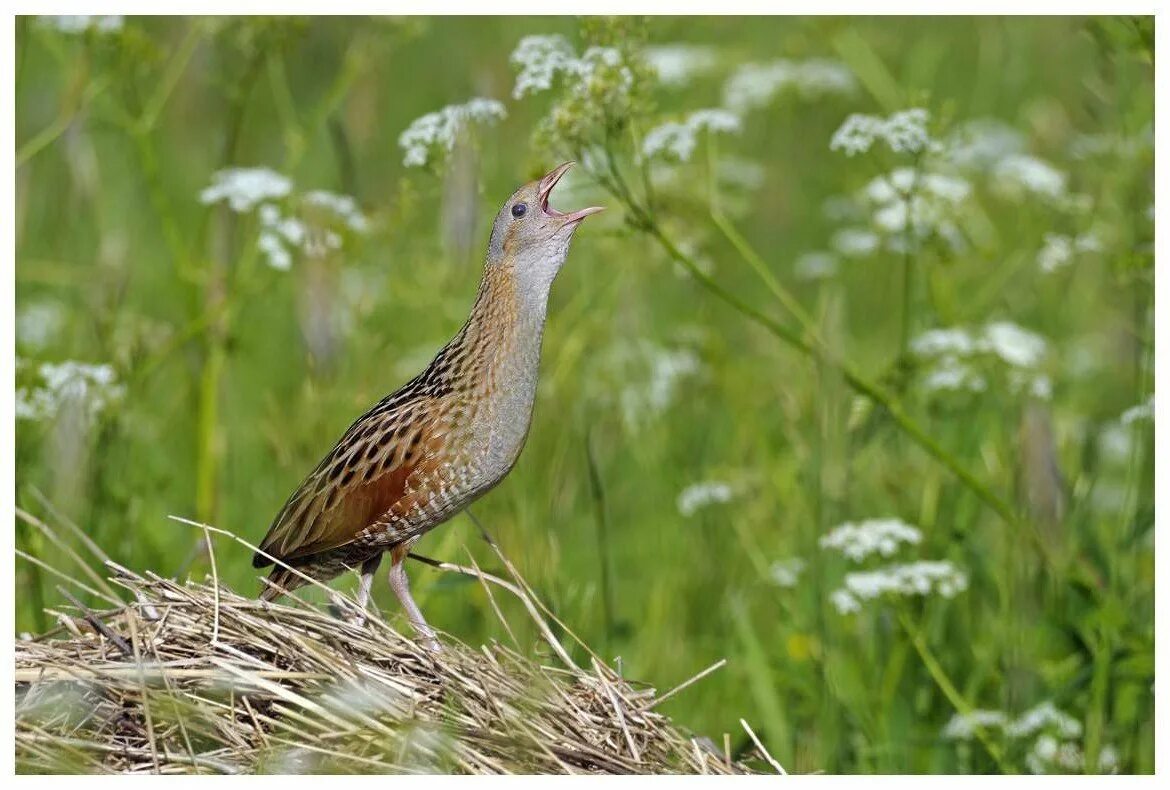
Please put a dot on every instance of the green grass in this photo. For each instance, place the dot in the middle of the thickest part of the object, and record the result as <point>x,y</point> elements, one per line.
<point>225,406</point>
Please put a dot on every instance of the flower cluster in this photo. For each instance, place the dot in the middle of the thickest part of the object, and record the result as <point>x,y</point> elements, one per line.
<point>325,216</point>
<point>786,573</point>
<point>678,140</point>
<point>1055,733</point>
<point>1022,175</point>
<point>433,136</point>
<point>677,64</point>
<point>38,324</point>
<point>1058,250</point>
<point>755,85</point>
<point>916,578</point>
<point>245,187</point>
<point>699,495</point>
<point>886,537</point>
<point>600,90</point>
<point>91,387</point>
<point>955,352</point>
<point>904,132</point>
<point>874,536</point>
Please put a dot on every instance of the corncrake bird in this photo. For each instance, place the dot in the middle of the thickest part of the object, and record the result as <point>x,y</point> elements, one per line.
<point>450,434</point>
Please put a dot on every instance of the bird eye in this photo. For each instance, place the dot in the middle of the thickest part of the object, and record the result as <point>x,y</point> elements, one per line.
<point>518,210</point>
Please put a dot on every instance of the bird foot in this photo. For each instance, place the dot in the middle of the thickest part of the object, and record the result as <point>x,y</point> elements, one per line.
<point>347,611</point>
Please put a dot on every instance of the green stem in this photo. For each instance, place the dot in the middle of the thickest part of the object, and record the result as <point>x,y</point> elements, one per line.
<point>948,688</point>
<point>817,350</point>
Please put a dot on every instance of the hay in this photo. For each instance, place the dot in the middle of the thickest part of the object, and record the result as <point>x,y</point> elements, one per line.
<point>193,678</point>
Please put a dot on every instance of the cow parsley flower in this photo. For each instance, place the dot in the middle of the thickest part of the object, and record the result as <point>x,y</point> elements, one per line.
<point>786,573</point>
<point>38,324</point>
<point>903,132</point>
<point>755,85</point>
<point>435,134</point>
<point>963,726</point>
<point>700,495</point>
<point>539,59</point>
<point>950,374</point>
<point>272,197</point>
<point>952,353</point>
<point>920,578</point>
<point>342,206</point>
<point>94,387</point>
<point>981,143</point>
<point>1059,251</point>
<point>1023,175</point>
<point>677,64</point>
<point>678,140</point>
<point>1014,344</point>
<point>244,187</point>
<point>875,536</point>
<point>1041,717</point>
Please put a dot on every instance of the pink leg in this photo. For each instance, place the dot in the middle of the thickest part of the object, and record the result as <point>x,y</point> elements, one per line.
<point>401,587</point>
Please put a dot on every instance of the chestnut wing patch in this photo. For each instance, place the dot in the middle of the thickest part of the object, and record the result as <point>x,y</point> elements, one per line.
<point>365,476</point>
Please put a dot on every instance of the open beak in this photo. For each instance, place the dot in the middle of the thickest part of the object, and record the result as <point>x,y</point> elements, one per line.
<point>546,186</point>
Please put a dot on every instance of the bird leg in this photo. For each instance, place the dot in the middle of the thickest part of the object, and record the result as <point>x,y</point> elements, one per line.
<point>369,568</point>
<point>340,606</point>
<point>401,587</point>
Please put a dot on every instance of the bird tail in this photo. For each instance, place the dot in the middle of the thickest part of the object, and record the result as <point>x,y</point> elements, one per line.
<point>279,582</point>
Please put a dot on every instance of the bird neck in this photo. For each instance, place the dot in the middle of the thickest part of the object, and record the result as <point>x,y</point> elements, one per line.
<point>506,324</point>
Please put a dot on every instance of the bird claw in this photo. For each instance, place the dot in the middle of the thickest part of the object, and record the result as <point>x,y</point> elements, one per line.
<point>349,612</point>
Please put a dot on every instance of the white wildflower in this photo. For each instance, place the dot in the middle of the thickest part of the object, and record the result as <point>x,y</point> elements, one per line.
<point>934,342</point>
<point>344,206</point>
<point>856,242</point>
<point>677,64</point>
<point>903,132</point>
<point>950,374</point>
<point>881,536</point>
<point>79,23</point>
<point>700,495</point>
<point>1042,717</point>
<point>1023,175</point>
<point>756,84</point>
<point>816,265</point>
<point>539,59</point>
<point>1058,250</point>
<point>38,324</point>
<point>437,132</point>
<point>1142,411</point>
<point>679,139</point>
<point>244,187</point>
<point>962,727</point>
<point>94,387</point>
<point>650,376</point>
<point>917,578</point>
<point>1014,344</point>
<point>274,251</point>
<point>1010,342</point>
<point>844,602</point>
<point>786,573</point>
<point>981,143</point>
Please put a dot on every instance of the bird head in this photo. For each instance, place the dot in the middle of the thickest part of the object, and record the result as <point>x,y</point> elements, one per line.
<point>532,237</point>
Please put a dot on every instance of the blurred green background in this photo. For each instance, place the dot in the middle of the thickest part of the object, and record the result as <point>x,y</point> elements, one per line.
<point>230,379</point>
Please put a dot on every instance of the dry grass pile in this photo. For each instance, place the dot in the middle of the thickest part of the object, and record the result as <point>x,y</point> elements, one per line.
<point>195,678</point>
